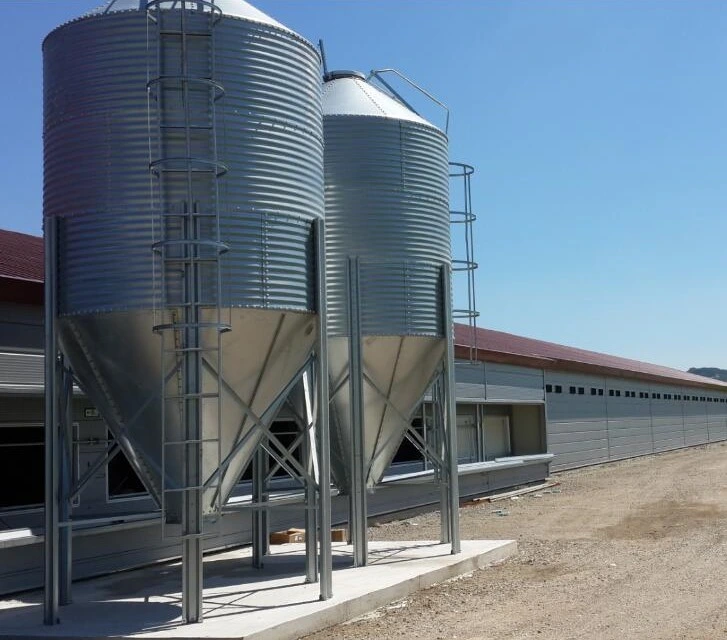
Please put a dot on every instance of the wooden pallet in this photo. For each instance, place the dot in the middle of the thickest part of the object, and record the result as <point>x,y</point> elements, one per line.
<point>298,535</point>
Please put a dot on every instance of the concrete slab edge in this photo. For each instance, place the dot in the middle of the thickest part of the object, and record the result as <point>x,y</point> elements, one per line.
<point>339,612</point>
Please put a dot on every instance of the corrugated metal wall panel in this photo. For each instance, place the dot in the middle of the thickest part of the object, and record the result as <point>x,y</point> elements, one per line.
<point>21,326</point>
<point>470,380</point>
<point>21,372</point>
<point>716,420</point>
<point>630,419</point>
<point>507,382</point>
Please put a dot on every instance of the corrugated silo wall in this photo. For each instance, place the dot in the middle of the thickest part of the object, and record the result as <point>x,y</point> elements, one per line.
<point>592,420</point>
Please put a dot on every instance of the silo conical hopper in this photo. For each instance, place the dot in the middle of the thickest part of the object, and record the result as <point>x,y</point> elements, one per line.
<point>386,202</point>
<point>144,135</point>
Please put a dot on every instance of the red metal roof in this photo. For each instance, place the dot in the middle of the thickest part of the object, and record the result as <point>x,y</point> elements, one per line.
<point>507,347</point>
<point>21,259</point>
<point>21,256</point>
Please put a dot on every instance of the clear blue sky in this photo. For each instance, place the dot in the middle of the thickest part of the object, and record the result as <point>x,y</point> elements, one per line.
<point>598,130</point>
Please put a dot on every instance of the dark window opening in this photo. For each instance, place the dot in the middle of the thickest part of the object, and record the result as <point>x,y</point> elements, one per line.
<point>600,392</point>
<point>407,452</point>
<point>610,392</point>
<point>558,388</point>
<point>22,467</point>
<point>572,389</point>
<point>618,393</point>
<point>122,479</point>
<point>549,388</point>
<point>593,391</point>
<point>581,391</point>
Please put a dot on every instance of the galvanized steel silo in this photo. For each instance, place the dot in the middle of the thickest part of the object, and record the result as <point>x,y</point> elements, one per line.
<point>386,201</point>
<point>143,134</point>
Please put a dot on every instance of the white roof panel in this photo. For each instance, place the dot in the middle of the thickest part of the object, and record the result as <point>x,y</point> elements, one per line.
<point>348,94</point>
<point>234,8</point>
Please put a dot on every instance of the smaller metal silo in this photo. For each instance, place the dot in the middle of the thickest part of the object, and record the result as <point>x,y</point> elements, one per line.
<point>386,176</point>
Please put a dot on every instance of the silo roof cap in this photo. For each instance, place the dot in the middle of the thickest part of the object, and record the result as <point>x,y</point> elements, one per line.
<point>233,8</point>
<point>347,93</point>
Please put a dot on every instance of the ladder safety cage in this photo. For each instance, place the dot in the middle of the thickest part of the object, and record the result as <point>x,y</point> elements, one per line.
<point>182,95</point>
<point>461,221</point>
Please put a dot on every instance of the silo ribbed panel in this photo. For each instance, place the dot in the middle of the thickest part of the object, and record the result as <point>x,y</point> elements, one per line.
<point>386,196</point>
<point>97,153</point>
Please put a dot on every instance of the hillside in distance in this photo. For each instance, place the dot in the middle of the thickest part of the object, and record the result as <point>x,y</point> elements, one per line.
<point>710,372</point>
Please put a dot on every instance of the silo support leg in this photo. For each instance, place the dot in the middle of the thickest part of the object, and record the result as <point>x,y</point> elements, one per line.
<point>358,468</point>
<point>66,482</point>
<point>52,540</point>
<point>325,560</point>
<point>325,564</point>
<point>440,434</point>
<point>259,516</point>
<point>192,580</point>
<point>450,416</point>
<point>311,536</point>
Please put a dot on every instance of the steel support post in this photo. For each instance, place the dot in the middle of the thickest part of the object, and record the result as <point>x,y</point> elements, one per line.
<point>192,518</point>
<point>450,416</point>
<point>357,520</point>
<point>325,563</point>
<point>259,516</point>
<point>311,535</point>
<point>52,542</point>
<point>66,482</point>
<point>442,476</point>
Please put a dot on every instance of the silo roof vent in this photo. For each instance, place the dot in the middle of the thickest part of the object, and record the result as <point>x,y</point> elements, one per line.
<point>232,8</point>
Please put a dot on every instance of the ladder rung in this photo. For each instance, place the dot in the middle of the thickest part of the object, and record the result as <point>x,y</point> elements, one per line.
<point>191,325</point>
<point>167,259</point>
<point>185,396</point>
<point>191,350</point>
<point>190,214</point>
<point>196,127</point>
<point>200,441</point>
<point>174,305</point>
<point>191,536</point>
<point>194,488</point>
<point>193,34</point>
<point>185,171</point>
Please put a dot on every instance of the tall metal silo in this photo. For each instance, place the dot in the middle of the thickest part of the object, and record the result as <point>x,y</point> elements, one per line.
<point>184,186</point>
<point>388,269</point>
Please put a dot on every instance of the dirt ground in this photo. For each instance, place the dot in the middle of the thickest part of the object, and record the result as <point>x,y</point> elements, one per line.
<point>633,549</point>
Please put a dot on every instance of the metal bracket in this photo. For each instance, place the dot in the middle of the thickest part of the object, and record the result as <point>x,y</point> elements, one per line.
<point>377,73</point>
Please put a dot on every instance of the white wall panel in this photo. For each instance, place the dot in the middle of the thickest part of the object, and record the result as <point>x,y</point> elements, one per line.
<point>632,418</point>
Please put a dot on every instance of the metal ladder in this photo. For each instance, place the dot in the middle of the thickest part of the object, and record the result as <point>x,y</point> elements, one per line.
<point>183,162</point>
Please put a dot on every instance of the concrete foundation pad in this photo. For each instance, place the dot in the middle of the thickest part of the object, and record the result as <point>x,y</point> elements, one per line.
<point>241,602</point>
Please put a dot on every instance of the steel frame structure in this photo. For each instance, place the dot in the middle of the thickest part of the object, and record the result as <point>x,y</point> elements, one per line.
<point>442,452</point>
<point>61,488</point>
